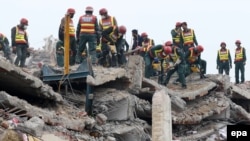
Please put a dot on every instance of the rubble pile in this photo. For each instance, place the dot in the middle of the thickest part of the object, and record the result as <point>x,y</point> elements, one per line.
<point>126,106</point>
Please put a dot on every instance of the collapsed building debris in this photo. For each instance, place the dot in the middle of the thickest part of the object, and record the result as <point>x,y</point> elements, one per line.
<point>126,106</point>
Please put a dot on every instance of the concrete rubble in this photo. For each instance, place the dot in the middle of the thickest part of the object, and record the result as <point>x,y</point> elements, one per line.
<point>126,106</point>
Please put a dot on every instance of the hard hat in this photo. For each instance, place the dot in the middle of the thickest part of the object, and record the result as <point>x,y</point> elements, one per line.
<point>103,11</point>
<point>178,24</point>
<point>167,49</point>
<point>168,43</point>
<point>71,11</point>
<point>122,29</point>
<point>237,42</point>
<point>24,21</point>
<point>223,43</point>
<point>89,8</point>
<point>200,48</point>
<point>144,34</point>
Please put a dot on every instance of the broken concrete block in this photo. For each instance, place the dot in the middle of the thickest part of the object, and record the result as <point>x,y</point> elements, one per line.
<point>101,119</point>
<point>35,124</point>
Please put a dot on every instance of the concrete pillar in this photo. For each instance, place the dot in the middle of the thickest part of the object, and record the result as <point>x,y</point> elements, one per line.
<point>161,117</point>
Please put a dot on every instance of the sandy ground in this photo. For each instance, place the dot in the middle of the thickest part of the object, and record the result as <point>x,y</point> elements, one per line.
<point>51,137</point>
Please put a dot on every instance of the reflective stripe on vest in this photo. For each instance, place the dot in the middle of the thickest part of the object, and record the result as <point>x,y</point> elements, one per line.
<point>106,23</point>
<point>147,45</point>
<point>239,54</point>
<point>223,55</point>
<point>88,24</point>
<point>177,37</point>
<point>71,28</point>
<point>193,56</point>
<point>174,55</point>
<point>188,37</point>
<point>20,36</point>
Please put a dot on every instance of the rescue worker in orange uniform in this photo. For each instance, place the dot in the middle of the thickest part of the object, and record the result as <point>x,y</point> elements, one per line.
<point>88,32</point>
<point>108,25</point>
<point>147,43</point>
<point>19,41</point>
<point>240,62</point>
<point>193,56</point>
<point>72,36</point>
<point>188,38</point>
<point>224,61</point>
<point>176,35</point>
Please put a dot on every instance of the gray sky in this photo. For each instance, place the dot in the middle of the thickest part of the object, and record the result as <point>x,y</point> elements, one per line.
<point>213,20</point>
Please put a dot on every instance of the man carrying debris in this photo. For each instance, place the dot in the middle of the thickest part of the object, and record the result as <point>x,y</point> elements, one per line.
<point>108,25</point>
<point>224,61</point>
<point>87,32</point>
<point>188,37</point>
<point>177,63</point>
<point>159,51</point>
<point>19,41</point>
<point>4,46</point>
<point>240,62</point>
<point>72,38</point>
<point>194,60</point>
<point>176,35</point>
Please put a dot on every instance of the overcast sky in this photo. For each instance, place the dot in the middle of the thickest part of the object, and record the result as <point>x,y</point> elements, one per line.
<point>214,21</point>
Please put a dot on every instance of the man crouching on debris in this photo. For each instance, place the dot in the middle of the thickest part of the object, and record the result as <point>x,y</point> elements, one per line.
<point>19,41</point>
<point>4,46</point>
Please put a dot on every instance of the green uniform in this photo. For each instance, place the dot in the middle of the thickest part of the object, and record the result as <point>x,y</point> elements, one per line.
<point>176,38</point>
<point>4,46</point>
<point>60,53</point>
<point>87,32</point>
<point>240,61</point>
<point>224,61</point>
<point>154,52</point>
<point>194,57</point>
<point>176,54</point>
<point>188,39</point>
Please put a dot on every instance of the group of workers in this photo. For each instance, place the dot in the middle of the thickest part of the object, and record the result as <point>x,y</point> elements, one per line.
<point>103,41</point>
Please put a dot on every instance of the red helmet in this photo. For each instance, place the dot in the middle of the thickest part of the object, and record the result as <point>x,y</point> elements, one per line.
<point>24,21</point>
<point>200,48</point>
<point>178,24</point>
<point>168,43</point>
<point>167,49</point>
<point>122,29</point>
<point>223,43</point>
<point>103,11</point>
<point>237,42</point>
<point>71,11</point>
<point>144,34</point>
<point>89,8</point>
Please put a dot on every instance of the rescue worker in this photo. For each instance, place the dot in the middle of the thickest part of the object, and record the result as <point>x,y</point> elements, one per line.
<point>158,51</point>
<point>176,35</point>
<point>60,53</point>
<point>240,62</point>
<point>4,46</point>
<point>177,62</point>
<point>88,32</point>
<point>124,47</point>
<point>19,42</point>
<point>188,38</point>
<point>193,57</point>
<point>224,61</point>
<point>72,36</point>
<point>137,39</point>
<point>147,43</point>
<point>108,25</point>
